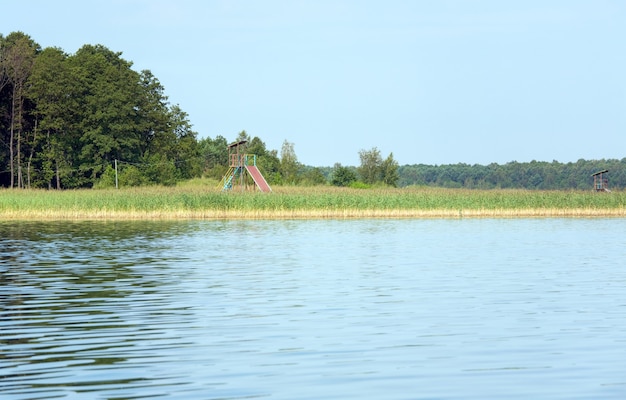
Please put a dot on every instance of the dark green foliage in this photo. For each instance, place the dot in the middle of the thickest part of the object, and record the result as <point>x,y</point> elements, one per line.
<point>131,176</point>
<point>342,176</point>
<point>65,119</point>
<point>107,179</point>
<point>267,160</point>
<point>57,101</point>
<point>374,170</point>
<point>389,171</point>
<point>157,169</point>
<point>312,176</point>
<point>110,90</point>
<point>214,156</point>
<point>17,58</point>
<point>515,175</point>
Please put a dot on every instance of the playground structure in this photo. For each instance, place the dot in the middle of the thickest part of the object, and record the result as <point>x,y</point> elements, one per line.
<point>243,171</point>
<point>600,183</point>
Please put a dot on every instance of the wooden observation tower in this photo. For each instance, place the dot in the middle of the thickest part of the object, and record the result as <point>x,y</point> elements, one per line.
<point>242,171</point>
<point>600,182</point>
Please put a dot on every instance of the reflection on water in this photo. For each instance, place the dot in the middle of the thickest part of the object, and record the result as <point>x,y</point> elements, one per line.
<point>79,301</point>
<point>408,309</point>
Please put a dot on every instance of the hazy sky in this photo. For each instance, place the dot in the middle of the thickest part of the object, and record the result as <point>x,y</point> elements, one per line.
<point>434,82</point>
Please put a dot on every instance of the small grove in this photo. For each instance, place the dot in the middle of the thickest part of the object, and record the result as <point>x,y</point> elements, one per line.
<point>66,121</point>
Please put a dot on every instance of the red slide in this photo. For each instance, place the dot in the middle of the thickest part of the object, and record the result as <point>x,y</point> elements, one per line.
<point>258,178</point>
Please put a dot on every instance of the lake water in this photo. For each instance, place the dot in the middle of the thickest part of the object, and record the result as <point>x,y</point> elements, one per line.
<point>378,309</point>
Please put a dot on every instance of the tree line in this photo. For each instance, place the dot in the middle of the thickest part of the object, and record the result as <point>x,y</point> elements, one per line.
<point>66,120</point>
<point>515,175</point>
<point>284,168</point>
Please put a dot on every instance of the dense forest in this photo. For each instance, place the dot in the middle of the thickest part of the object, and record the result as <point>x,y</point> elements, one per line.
<point>528,175</point>
<point>64,119</point>
<point>68,120</point>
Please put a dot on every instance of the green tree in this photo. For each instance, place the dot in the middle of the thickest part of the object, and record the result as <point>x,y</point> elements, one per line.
<point>166,133</point>
<point>52,90</point>
<point>269,165</point>
<point>109,114</point>
<point>156,169</point>
<point>389,171</point>
<point>214,156</point>
<point>4,80</point>
<point>19,57</point>
<point>313,176</point>
<point>152,112</point>
<point>107,179</point>
<point>131,175</point>
<point>4,74</point>
<point>185,153</point>
<point>241,137</point>
<point>342,176</point>
<point>370,169</point>
<point>289,165</point>
<point>267,160</point>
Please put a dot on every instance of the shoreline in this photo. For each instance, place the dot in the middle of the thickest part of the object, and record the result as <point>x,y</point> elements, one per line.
<point>312,214</point>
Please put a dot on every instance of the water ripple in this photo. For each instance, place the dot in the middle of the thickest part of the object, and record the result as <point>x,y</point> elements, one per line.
<point>422,309</point>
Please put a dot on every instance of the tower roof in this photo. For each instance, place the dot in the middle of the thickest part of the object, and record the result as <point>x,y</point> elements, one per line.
<point>235,144</point>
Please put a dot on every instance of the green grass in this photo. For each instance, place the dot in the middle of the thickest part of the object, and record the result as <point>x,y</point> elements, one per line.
<point>205,201</point>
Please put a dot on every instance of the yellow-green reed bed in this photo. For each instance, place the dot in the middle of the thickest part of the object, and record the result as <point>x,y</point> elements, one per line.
<point>314,202</point>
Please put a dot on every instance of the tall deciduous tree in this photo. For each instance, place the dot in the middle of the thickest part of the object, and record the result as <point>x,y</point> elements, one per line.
<point>52,88</point>
<point>20,51</point>
<point>152,112</point>
<point>4,80</point>
<point>185,152</point>
<point>289,165</point>
<point>110,92</point>
<point>4,75</point>
<point>168,143</point>
<point>389,171</point>
<point>371,164</point>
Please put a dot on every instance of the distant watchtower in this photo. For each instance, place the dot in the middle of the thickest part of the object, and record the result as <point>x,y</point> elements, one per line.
<point>600,182</point>
<point>242,167</point>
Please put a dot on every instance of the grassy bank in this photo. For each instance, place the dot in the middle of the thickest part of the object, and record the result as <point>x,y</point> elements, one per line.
<point>197,202</point>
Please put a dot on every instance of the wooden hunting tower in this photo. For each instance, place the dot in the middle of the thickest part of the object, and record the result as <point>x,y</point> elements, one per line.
<point>242,170</point>
<point>600,182</point>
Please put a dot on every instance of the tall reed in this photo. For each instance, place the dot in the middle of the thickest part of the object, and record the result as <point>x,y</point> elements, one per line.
<point>296,202</point>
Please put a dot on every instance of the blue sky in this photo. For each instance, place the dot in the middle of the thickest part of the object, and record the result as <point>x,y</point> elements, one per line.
<point>434,82</point>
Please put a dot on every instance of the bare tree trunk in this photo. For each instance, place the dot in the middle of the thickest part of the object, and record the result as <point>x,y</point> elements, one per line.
<point>30,157</point>
<point>20,178</point>
<point>12,136</point>
<point>18,62</point>
<point>4,79</point>
<point>56,162</point>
